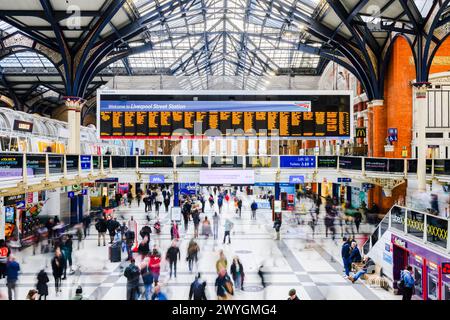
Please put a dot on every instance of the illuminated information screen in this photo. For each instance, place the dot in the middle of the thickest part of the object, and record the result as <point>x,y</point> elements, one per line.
<point>139,115</point>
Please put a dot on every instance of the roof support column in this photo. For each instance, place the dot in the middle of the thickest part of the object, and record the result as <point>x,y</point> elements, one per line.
<point>377,126</point>
<point>420,91</point>
<point>74,106</point>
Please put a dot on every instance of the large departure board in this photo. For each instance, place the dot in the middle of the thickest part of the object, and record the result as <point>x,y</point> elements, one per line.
<point>287,114</point>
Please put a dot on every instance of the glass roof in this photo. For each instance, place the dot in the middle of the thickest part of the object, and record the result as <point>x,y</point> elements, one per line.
<point>25,60</point>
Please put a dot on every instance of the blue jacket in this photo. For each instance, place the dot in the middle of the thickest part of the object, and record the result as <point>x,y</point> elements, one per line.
<point>407,277</point>
<point>159,296</point>
<point>12,271</point>
<point>355,256</point>
<point>345,252</point>
<point>254,206</point>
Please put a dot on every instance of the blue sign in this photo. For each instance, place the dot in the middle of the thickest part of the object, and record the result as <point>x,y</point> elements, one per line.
<point>71,194</point>
<point>297,161</point>
<point>392,134</point>
<point>107,180</point>
<point>344,180</point>
<point>198,106</point>
<point>188,188</point>
<point>20,204</point>
<point>85,162</point>
<point>296,179</point>
<point>157,179</point>
<point>264,184</point>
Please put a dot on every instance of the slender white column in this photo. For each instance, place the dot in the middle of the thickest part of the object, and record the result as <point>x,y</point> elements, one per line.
<point>421,123</point>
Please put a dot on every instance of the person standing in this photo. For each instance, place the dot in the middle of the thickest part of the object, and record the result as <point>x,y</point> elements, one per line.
<point>197,289</point>
<point>345,253</point>
<point>186,213</point>
<point>220,202</point>
<point>355,253</point>
<point>408,280</point>
<point>58,265</point>
<point>129,241</point>
<point>112,225</point>
<point>228,226</point>
<point>104,201</point>
<point>41,286</point>
<point>167,201</point>
<point>172,256</point>
<point>132,273</point>
<point>12,276</point>
<point>224,286</point>
<point>216,221</point>
<point>192,253</point>
<point>253,207</point>
<point>139,197</point>
<point>237,272</point>
<point>239,205</point>
<point>147,278</point>
<point>101,228</point>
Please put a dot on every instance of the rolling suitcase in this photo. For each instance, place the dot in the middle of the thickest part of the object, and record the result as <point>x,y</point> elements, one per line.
<point>115,252</point>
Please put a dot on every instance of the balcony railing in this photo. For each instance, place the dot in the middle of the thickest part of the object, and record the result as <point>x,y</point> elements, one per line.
<point>424,227</point>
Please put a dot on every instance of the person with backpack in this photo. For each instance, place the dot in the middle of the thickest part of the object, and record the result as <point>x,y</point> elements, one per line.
<point>224,286</point>
<point>228,226</point>
<point>192,253</point>
<point>147,278</point>
<point>101,228</point>
<point>197,290</point>
<point>132,273</point>
<point>407,283</point>
<point>253,207</point>
<point>172,256</point>
<point>41,286</point>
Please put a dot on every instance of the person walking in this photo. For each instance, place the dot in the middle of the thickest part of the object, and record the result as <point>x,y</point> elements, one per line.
<point>129,198</point>
<point>196,220</point>
<point>167,201</point>
<point>206,228</point>
<point>216,221</point>
<point>277,227</point>
<point>220,202</point>
<point>139,197</point>
<point>86,225</point>
<point>144,248</point>
<point>253,207</point>
<point>345,253</point>
<point>132,273</point>
<point>239,205</point>
<point>222,262</point>
<point>224,286</point>
<point>101,227</point>
<point>186,212</point>
<point>192,253</point>
<point>407,283</point>
<point>172,256</point>
<point>155,264</point>
<point>197,289</point>
<point>147,278</point>
<point>228,226</point>
<point>66,249</point>
<point>129,241</point>
<point>174,233</point>
<point>237,272</point>
<point>357,219</point>
<point>41,286</point>
<point>58,265</point>
<point>12,276</point>
<point>112,225</point>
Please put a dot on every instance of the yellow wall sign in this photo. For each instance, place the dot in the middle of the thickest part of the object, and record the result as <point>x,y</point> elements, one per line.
<point>360,133</point>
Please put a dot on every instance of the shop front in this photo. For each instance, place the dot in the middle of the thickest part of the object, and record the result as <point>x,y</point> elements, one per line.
<point>431,269</point>
<point>287,196</point>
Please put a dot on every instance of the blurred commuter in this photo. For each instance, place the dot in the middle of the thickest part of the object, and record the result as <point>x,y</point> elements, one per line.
<point>132,273</point>
<point>172,256</point>
<point>12,276</point>
<point>86,225</point>
<point>158,295</point>
<point>355,253</point>
<point>345,253</point>
<point>4,254</point>
<point>174,233</point>
<point>101,228</point>
<point>221,262</point>
<point>66,248</point>
<point>58,265</point>
<point>254,207</point>
<point>197,289</point>
<point>79,294</point>
<point>155,264</point>
<point>32,295</point>
<point>144,248</point>
<point>228,226</point>
<point>192,254</point>
<point>237,272</point>
<point>224,286</point>
<point>277,227</point>
<point>216,221</point>
<point>293,295</point>
<point>147,277</point>
<point>42,286</point>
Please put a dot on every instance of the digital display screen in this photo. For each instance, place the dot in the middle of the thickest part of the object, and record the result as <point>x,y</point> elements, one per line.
<point>235,177</point>
<point>159,162</point>
<point>287,115</point>
<point>327,162</point>
<point>350,163</point>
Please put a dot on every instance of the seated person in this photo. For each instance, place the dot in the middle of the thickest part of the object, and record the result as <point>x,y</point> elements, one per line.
<point>367,263</point>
